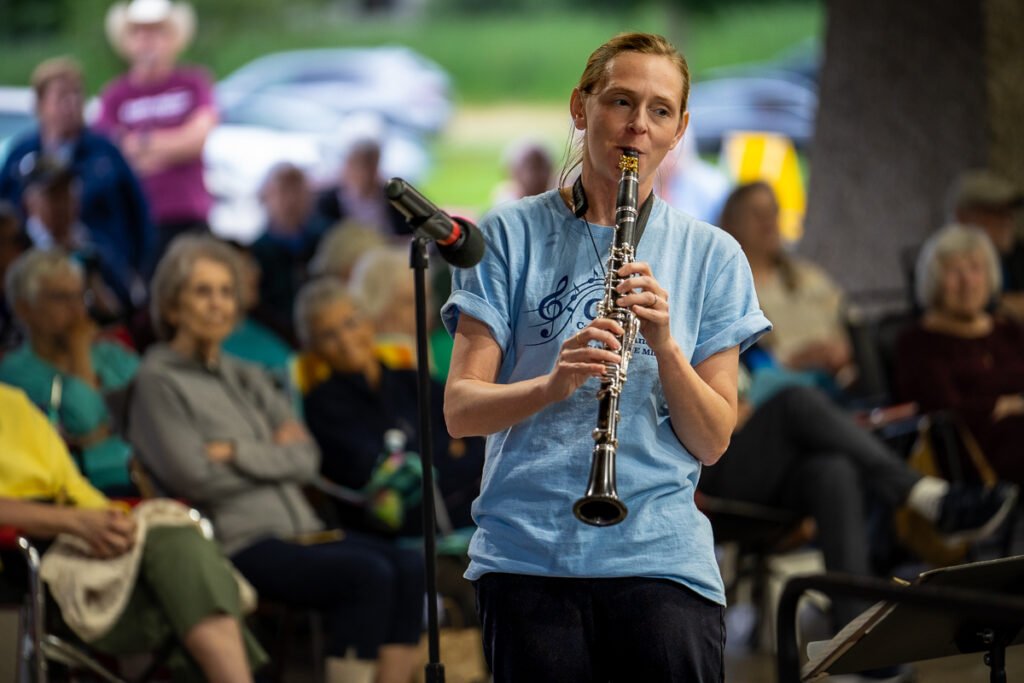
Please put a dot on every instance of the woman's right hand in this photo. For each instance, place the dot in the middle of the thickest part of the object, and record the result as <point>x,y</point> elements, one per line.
<point>1011,404</point>
<point>82,333</point>
<point>80,339</point>
<point>578,361</point>
<point>109,532</point>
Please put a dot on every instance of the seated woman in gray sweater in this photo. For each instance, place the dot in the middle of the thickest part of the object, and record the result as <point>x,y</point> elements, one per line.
<point>214,430</point>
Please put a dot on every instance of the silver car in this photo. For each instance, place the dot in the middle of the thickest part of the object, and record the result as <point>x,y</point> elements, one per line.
<point>396,83</point>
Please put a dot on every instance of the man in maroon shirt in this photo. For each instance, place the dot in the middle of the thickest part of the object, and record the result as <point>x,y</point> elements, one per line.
<point>160,113</point>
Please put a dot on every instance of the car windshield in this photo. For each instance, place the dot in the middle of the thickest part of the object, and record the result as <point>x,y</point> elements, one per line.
<point>336,72</point>
<point>281,113</point>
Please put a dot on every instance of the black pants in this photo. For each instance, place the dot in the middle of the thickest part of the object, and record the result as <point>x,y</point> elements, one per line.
<point>799,452</point>
<point>541,629</point>
<point>371,590</point>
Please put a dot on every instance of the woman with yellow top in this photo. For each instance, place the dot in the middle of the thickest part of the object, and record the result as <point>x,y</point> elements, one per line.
<point>185,588</point>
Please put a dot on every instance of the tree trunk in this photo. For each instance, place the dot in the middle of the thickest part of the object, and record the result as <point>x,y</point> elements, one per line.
<point>903,109</point>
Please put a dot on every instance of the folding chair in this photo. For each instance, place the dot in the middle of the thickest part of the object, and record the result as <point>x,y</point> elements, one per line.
<point>38,646</point>
<point>759,533</point>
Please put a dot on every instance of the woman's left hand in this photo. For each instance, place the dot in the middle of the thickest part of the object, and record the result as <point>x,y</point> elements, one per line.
<point>220,451</point>
<point>642,294</point>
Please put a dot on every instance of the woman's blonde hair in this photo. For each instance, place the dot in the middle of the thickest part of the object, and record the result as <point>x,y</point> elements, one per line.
<point>341,248</point>
<point>376,277</point>
<point>596,71</point>
<point>174,270</point>
<point>952,240</point>
<point>52,69</point>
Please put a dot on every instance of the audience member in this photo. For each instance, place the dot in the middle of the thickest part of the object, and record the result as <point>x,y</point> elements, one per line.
<point>51,204</point>
<point>160,113</point>
<point>799,452</point>
<point>251,340</point>
<point>13,243</point>
<point>359,194</point>
<point>286,246</point>
<point>111,203</point>
<point>961,357</point>
<point>803,303</point>
<point>341,248</point>
<point>986,200</point>
<point>530,171</point>
<point>691,184</point>
<point>215,430</point>
<point>362,399</point>
<point>384,285</point>
<point>336,256</point>
<point>64,367</point>
<point>185,588</point>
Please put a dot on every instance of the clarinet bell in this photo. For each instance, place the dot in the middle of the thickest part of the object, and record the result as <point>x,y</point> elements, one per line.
<point>601,506</point>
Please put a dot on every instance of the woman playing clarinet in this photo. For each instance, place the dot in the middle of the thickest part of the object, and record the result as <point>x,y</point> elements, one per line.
<point>636,596</point>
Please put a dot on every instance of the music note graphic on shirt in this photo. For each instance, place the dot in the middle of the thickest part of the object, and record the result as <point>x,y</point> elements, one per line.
<point>557,309</point>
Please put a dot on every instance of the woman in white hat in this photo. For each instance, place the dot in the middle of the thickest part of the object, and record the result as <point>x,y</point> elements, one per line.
<point>159,112</point>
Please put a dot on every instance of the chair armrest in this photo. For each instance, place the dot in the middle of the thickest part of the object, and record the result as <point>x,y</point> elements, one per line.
<point>8,537</point>
<point>748,523</point>
<point>882,416</point>
<point>712,506</point>
<point>12,538</point>
<point>342,493</point>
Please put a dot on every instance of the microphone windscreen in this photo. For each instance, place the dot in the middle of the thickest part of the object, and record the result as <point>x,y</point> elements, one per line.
<point>394,188</point>
<point>467,252</point>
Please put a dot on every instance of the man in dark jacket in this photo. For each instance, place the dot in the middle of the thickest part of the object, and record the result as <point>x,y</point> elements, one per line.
<point>111,202</point>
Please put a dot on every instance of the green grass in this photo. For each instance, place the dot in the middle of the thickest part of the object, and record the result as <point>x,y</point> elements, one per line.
<point>464,176</point>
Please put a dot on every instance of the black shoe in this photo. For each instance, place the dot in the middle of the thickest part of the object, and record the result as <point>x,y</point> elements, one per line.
<point>971,512</point>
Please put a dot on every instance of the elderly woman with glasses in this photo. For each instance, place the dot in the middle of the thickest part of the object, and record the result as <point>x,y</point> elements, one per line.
<point>215,430</point>
<point>960,356</point>
<point>64,366</point>
<point>351,411</point>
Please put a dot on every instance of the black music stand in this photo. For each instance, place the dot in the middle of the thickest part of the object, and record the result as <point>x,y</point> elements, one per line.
<point>976,607</point>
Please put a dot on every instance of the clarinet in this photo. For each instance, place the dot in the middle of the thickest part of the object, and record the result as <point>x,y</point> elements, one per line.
<point>601,505</point>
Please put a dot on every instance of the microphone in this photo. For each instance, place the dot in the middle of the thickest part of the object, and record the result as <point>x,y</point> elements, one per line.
<point>458,240</point>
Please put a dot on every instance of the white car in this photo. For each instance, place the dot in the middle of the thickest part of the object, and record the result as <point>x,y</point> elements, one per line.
<point>308,107</point>
<point>16,115</point>
<point>401,86</point>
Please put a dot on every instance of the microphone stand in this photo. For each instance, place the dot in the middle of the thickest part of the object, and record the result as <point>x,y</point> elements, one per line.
<point>434,669</point>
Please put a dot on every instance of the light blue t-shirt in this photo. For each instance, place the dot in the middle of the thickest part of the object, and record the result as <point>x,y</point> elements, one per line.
<point>539,283</point>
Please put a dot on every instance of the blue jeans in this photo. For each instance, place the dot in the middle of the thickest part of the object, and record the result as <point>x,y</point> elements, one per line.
<point>539,629</point>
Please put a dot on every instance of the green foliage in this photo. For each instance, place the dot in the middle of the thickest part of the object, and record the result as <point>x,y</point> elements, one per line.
<point>526,7</point>
<point>529,7</point>
<point>532,56</point>
<point>495,55</point>
<point>29,17</point>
